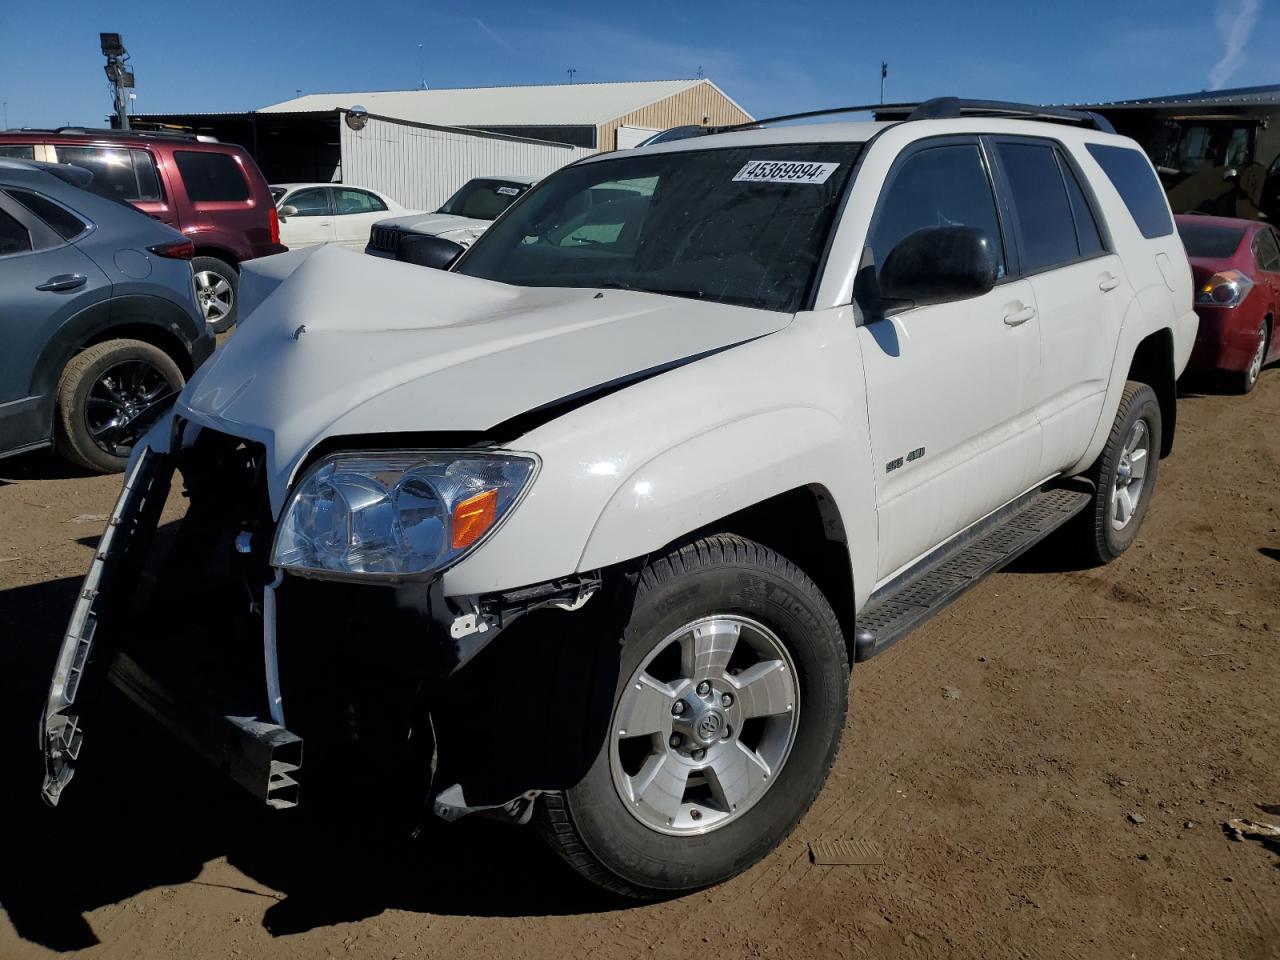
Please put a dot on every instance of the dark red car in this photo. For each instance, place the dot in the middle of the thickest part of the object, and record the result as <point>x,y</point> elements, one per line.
<point>213,192</point>
<point>1236,266</point>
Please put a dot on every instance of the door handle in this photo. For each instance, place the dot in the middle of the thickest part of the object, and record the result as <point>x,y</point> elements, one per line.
<point>1018,317</point>
<point>1108,283</point>
<point>63,281</point>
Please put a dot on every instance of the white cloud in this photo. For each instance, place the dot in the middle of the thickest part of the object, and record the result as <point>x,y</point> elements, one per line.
<point>1235,22</point>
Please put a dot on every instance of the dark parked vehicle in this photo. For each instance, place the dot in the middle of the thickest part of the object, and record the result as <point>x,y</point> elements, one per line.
<point>212,192</point>
<point>1236,265</point>
<point>99,323</point>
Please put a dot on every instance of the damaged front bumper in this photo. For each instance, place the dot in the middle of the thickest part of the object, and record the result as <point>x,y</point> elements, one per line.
<point>261,756</point>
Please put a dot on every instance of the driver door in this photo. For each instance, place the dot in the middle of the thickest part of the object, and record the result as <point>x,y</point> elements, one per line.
<point>313,223</point>
<point>950,386</point>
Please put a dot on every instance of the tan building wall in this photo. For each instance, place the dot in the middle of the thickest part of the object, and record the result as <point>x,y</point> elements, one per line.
<point>701,104</point>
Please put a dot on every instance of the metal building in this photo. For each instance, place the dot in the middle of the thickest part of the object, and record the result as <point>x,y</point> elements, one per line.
<point>420,145</point>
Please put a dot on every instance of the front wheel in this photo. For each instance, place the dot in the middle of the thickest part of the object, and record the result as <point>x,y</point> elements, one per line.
<point>729,708</point>
<point>1245,380</point>
<point>217,292</point>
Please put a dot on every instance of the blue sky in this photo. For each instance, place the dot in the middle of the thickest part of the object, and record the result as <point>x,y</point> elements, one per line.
<point>771,57</point>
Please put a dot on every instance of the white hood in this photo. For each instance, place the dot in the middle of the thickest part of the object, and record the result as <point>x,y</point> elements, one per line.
<point>336,343</point>
<point>458,229</point>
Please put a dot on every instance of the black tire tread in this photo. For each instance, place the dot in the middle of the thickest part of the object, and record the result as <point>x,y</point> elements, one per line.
<point>555,819</point>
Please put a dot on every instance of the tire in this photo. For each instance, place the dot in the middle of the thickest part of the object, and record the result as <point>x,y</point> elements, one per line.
<point>217,292</point>
<point>712,585</point>
<point>1104,534</point>
<point>89,394</point>
<point>1243,381</point>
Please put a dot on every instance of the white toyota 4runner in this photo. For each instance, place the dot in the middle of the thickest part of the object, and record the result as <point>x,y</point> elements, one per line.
<point>588,527</point>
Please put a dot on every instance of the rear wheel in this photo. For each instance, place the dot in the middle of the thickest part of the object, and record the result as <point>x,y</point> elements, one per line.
<point>1124,476</point>
<point>108,397</point>
<point>730,704</point>
<point>217,291</point>
<point>1246,380</point>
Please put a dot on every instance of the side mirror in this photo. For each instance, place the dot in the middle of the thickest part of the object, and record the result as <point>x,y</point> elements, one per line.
<point>287,211</point>
<point>938,264</point>
<point>428,251</point>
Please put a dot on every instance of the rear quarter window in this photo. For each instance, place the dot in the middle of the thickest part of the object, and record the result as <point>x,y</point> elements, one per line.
<point>64,223</point>
<point>211,176</point>
<point>18,151</point>
<point>1130,173</point>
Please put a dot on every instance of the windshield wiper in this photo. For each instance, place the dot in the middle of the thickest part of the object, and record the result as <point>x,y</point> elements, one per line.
<point>622,285</point>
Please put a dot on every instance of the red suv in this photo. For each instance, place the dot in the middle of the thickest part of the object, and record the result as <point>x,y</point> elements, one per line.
<point>213,192</point>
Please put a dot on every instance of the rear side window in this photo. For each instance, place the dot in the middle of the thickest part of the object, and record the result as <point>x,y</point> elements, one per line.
<point>1130,173</point>
<point>211,176</point>
<point>115,171</point>
<point>144,168</point>
<point>1040,199</point>
<point>18,151</point>
<point>357,201</point>
<point>939,186</point>
<point>1087,233</point>
<point>62,221</point>
<point>14,237</point>
<point>1267,252</point>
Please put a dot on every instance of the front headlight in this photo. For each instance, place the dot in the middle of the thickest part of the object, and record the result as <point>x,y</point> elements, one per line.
<point>397,513</point>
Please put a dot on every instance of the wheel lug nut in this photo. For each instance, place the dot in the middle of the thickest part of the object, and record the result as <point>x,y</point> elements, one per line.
<point>677,708</point>
<point>699,754</point>
<point>728,732</point>
<point>726,700</point>
<point>704,688</point>
<point>676,740</point>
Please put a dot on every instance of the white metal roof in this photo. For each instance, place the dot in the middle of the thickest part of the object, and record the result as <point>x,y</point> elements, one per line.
<point>577,104</point>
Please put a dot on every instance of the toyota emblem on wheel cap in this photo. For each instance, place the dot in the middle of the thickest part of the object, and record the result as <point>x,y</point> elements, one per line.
<point>709,726</point>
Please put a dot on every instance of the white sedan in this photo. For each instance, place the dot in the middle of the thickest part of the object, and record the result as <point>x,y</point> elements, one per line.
<point>312,213</point>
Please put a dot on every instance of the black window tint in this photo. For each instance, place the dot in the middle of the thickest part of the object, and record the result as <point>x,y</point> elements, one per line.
<point>1268,254</point>
<point>1210,240</point>
<point>357,201</point>
<point>112,169</point>
<point>940,186</point>
<point>13,236</point>
<point>211,176</point>
<point>18,151</point>
<point>1130,173</point>
<point>1088,235</point>
<point>312,202</point>
<point>144,168</point>
<point>64,223</point>
<point>1040,198</point>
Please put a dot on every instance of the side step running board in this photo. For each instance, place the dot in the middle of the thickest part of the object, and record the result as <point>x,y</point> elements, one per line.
<point>909,600</point>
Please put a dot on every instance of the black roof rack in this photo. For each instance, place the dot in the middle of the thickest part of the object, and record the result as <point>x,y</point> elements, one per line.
<point>108,133</point>
<point>939,108</point>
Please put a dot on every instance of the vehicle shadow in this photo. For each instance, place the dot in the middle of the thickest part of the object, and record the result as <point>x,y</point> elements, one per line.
<point>40,465</point>
<point>144,813</point>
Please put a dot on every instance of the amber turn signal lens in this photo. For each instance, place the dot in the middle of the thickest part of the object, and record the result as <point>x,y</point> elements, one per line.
<point>472,517</point>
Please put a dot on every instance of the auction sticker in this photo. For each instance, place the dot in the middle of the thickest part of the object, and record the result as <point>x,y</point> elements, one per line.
<point>785,171</point>
<point>508,191</point>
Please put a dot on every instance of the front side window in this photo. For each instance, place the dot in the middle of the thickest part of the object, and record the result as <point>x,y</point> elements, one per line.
<point>743,225</point>
<point>356,201</point>
<point>14,237</point>
<point>1130,173</point>
<point>312,202</point>
<point>937,187</point>
<point>1045,221</point>
<point>211,177</point>
<point>483,199</point>
<point>116,170</point>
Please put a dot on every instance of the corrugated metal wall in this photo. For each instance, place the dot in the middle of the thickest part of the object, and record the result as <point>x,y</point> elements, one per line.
<point>689,106</point>
<point>422,166</point>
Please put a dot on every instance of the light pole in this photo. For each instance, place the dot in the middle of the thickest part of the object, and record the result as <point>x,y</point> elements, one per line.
<point>884,72</point>
<point>422,66</point>
<point>571,71</point>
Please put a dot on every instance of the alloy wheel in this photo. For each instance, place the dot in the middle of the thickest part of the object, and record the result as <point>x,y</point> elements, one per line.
<point>215,295</point>
<point>704,725</point>
<point>1131,472</point>
<point>122,404</point>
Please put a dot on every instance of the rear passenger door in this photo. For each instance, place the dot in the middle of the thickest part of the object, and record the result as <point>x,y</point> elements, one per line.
<point>1081,291</point>
<point>950,386</point>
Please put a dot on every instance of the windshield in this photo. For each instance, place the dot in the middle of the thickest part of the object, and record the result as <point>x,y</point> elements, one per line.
<point>745,225</point>
<point>1209,240</point>
<point>277,193</point>
<point>483,199</point>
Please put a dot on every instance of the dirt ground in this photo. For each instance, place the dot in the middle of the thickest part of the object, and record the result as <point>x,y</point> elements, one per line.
<point>1046,767</point>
